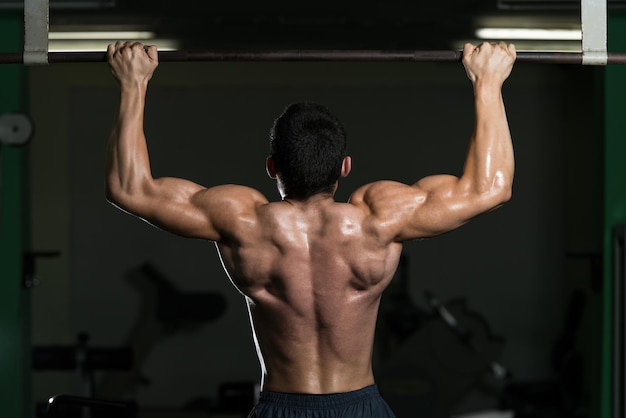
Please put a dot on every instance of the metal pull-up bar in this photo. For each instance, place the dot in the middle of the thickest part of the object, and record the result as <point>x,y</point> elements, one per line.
<point>316,55</point>
<point>594,51</point>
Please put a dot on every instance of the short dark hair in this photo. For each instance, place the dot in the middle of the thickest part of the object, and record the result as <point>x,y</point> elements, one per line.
<point>308,145</point>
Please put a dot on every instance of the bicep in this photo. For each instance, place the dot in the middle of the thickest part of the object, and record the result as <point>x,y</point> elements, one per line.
<point>186,208</point>
<point>452,202</point>
<point>175,205</point>
<point>430,207</point>
<point>447,205</point>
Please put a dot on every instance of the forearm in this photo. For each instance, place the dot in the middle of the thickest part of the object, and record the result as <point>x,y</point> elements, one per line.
<point>490,163</point>
<point>127,162</point>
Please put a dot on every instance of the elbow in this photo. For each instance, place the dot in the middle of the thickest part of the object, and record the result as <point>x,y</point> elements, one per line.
<point>116,194</point>
<point>112,194</point>
<point>127,196</point>
<point>495,192</point>
<point>124,186</point>
<point>505,195</point>
<point>494,198</point>
<point>502,189</point>
<point>109,194</point>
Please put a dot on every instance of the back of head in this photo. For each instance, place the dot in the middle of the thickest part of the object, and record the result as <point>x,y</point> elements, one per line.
<point>308,145</point>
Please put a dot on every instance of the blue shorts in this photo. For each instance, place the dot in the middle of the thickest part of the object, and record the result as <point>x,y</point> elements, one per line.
<point>361,403</point>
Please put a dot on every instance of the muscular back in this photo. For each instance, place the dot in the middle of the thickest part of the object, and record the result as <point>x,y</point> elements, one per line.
<point>313,273</point>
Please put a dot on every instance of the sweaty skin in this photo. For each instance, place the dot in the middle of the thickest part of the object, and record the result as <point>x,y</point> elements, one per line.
<point>312,271</point>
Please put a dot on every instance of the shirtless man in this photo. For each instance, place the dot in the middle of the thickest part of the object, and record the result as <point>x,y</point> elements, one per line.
<point>311,269</point>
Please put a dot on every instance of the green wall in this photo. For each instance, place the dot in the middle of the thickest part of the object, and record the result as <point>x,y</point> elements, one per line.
<point>614,189</point>
<point>14,308</point>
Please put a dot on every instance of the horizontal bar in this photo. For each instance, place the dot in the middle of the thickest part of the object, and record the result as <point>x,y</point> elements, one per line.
<point>316,55</point>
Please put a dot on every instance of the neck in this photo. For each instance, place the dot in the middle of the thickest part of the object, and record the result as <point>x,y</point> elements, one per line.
<point>319,197</point>
<point>313,198</point>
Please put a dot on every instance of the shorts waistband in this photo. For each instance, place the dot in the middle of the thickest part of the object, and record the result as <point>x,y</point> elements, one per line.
<point>320,401</point>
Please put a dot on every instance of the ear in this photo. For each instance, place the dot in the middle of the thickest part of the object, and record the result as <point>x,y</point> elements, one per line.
<point>270,168</point>
<point>346,166</point>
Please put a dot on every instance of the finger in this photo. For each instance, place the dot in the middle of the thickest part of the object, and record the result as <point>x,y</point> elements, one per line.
<point>485,46</point>
<point>135,46</point>
<point>152,52</point>
<point>504,46</point>
<point>121,46</point>
<point>116,48</point>
<point>468,49</point>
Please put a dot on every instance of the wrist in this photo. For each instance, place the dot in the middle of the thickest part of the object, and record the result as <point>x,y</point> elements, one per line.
<point>131,87</point>
<point>132,99</point>
<point>487,89</point>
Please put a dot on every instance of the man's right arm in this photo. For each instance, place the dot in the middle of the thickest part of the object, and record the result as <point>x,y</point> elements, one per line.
<point>437,204</point>
<point>177,205</point>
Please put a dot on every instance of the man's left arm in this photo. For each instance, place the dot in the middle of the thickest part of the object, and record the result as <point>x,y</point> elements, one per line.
<point>440,203</point>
